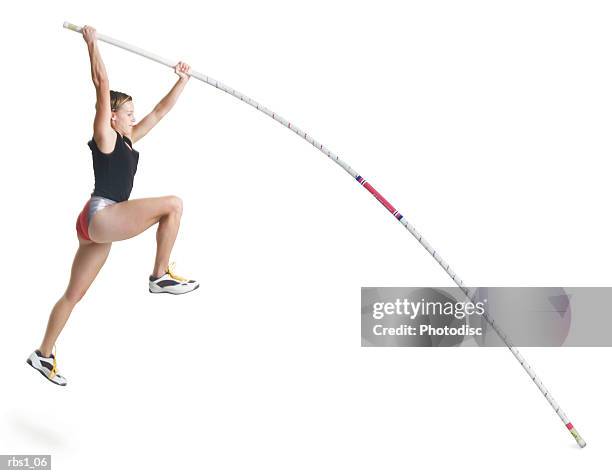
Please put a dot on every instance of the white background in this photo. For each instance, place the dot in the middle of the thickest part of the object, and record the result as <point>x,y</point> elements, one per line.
<point>487,124</point>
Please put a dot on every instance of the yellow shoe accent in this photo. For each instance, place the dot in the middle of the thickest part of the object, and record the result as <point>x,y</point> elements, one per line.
<point>170,271</point>
<point>54,369</point>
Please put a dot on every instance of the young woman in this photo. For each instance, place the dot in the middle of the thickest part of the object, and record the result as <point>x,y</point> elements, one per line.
<point>109,215</point>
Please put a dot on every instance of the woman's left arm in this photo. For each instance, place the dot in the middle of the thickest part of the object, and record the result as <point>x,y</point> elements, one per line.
<point>150,120</point>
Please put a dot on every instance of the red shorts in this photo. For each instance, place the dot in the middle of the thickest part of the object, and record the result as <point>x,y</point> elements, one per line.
<point>93,205</point>
<point>82,223</point>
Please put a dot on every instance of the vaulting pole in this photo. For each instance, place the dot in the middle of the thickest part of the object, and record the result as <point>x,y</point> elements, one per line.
<point>469,293</point>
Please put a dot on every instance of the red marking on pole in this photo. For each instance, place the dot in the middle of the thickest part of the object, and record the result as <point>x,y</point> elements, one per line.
<point>569,426</point>
<point>379,197</point>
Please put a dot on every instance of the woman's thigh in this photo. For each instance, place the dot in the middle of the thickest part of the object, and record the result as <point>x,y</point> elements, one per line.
<point>125,220</point>
<point>89,259</point>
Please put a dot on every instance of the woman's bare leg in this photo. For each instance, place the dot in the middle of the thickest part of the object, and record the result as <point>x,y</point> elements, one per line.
<point>125,220</point>
<point>87,263</point>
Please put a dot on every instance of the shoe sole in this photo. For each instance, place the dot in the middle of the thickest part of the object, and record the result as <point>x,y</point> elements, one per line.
<point>43,374</point>
<point>174,294</point>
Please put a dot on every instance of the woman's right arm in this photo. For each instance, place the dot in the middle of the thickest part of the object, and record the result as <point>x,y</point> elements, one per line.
<point>104,135</point>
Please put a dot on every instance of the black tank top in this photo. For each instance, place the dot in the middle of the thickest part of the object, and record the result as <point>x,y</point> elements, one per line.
<point>114,172</point>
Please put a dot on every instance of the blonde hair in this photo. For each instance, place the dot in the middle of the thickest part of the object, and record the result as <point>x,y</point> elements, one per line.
<point>118,99</point>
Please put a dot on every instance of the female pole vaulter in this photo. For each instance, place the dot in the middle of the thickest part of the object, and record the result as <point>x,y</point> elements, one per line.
<point>109,215</point>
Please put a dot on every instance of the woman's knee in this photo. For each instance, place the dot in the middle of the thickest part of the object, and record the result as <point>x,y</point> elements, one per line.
<point>73,296</point>
<point>174,204</point>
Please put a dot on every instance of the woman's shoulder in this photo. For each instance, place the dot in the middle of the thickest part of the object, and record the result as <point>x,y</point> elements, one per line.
<point>94,146</point>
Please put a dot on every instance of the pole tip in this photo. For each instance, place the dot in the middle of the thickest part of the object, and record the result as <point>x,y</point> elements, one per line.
<point>71,26</point>
<point>576,435</point>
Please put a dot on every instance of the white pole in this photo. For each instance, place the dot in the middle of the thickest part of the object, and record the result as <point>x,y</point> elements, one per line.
<point>372,190</point>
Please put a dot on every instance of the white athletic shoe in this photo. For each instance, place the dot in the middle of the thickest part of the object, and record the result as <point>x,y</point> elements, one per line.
<point>47,366</point>
<point>172,283</point>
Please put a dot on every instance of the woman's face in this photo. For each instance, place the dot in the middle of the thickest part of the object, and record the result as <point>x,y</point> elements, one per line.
<point>123,119</point>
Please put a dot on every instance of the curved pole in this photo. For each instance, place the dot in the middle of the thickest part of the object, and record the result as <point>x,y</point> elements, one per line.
<point>469,293</point>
